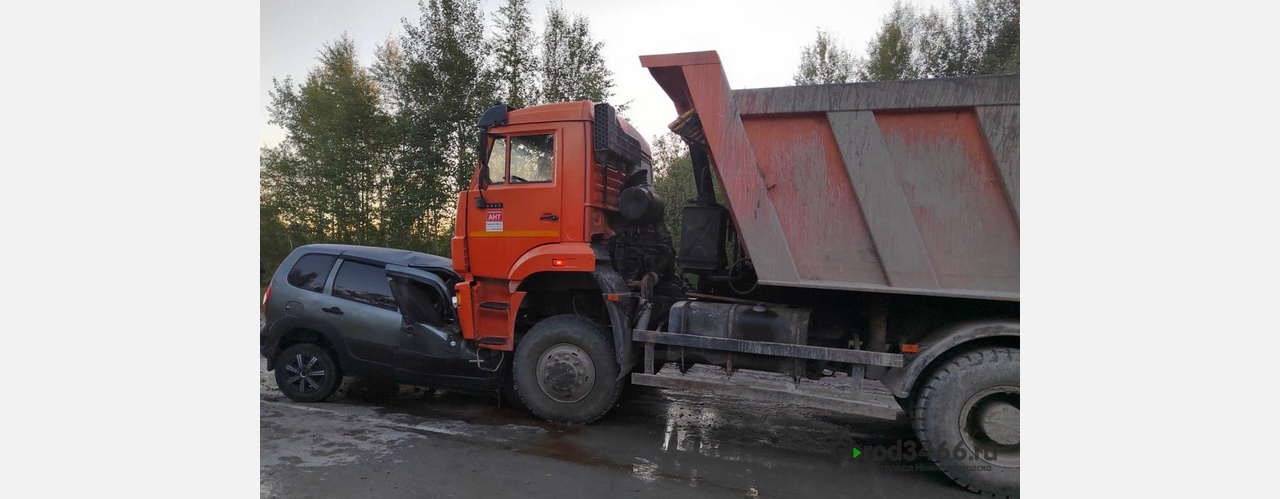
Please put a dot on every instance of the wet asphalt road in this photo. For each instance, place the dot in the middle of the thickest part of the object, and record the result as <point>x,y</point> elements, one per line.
<point>420,443</point>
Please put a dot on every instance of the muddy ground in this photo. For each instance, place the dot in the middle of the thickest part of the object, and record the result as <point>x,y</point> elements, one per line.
<point>368,441</point>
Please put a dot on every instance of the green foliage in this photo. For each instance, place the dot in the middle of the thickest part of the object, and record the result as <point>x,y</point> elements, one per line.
<point>673,179</point>
<point>936,46</point>
<point>516,66</point>
<point>824,61</point>
<point>889,55</point>
<point>281,226</point>
<point>980,37</point>
<point>417,206</point>
<point>329,179</point>
<point>573,66</point>
<point>446,86</point>
<point>995,35</point>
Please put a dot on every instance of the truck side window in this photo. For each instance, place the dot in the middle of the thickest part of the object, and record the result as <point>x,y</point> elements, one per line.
<point>365,284</point>
<point>311,271</point>
<point>531,158</point>
<point>498,161</point>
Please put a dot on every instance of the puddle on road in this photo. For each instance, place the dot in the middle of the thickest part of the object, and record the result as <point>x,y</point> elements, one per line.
<point>560,445</point>
<point>699,440</point>
<point>341,443</point>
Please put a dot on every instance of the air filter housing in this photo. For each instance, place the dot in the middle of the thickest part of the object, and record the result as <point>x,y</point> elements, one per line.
<point>614,147</point>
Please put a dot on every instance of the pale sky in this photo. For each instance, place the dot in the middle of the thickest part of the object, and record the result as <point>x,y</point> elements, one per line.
<point>759,41</point>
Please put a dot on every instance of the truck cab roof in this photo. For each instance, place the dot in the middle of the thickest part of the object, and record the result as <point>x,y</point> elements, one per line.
<point>583,110</point>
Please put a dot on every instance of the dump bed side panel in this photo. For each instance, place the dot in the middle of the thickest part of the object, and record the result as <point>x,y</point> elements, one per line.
<point>906,187</point>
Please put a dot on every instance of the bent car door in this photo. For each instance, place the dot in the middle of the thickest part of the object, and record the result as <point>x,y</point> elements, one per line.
<point>432,350</point>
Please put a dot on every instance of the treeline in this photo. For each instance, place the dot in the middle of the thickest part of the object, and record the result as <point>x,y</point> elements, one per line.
<point>375,154</point>
<point>978,37</point>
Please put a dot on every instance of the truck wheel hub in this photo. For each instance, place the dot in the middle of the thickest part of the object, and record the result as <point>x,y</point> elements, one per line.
<point>989,424</point>
<point>565,373</point>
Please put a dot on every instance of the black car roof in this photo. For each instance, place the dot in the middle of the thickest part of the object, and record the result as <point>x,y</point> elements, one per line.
<point>385,255</point>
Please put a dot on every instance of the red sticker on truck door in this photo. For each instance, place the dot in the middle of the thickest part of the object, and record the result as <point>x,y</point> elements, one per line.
<point>493,221</point>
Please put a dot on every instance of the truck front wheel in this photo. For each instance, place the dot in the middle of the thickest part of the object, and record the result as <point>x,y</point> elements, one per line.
<point>565,371</point>
<point>966,417</point>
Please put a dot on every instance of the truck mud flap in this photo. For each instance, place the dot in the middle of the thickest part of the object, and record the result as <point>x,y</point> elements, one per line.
<point>612,285</point>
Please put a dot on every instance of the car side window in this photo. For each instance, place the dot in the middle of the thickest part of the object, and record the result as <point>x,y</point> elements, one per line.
<point>364,283</point>
<point>532,158</point>
<point>498,161</point>
<point>310,272</point>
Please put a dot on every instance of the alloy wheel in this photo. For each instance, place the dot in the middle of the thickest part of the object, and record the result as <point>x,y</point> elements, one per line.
<point>305,375</point>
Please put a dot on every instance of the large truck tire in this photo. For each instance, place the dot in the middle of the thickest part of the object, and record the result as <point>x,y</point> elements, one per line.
<point>565,370</point>
<point>966,417</point>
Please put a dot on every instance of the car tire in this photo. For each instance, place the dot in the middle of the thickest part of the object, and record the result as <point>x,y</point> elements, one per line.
<point>508,391</point>
<point>565,370</point>
<point>966,417</point>
<point>307,372</point>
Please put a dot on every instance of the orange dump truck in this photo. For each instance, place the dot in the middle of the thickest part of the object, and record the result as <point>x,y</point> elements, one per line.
<point>866,231</point>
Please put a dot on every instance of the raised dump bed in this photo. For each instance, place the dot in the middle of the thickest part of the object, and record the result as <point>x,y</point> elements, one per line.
<point>904,187</point>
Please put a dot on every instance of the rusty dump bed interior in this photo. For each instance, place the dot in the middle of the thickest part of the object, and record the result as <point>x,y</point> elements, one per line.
<point>903,187</point>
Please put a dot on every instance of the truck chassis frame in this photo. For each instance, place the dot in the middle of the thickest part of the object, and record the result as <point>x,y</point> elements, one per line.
<point>858,400</point>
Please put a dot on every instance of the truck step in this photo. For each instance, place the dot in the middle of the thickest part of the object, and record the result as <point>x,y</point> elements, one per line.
<point>875,405</point>
<point>495,305</point>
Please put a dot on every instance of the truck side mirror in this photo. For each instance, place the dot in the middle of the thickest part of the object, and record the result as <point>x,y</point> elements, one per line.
<point>494,116</point>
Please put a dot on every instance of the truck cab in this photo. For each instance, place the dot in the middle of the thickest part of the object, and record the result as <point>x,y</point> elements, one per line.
<point>540,197</point>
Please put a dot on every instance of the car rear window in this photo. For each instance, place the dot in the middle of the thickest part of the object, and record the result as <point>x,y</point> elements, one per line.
<point>365,284</point>
<point>311,271</point>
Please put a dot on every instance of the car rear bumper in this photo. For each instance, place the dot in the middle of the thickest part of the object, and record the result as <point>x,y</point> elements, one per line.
<point>264,337</point>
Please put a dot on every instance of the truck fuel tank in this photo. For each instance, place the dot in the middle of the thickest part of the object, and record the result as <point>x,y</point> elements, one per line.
<point>752,322</point>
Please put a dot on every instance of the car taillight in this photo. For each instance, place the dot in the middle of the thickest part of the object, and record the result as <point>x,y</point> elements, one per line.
<point>266,296</point>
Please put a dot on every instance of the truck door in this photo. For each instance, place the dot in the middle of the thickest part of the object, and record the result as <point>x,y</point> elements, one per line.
<point>523,199</point>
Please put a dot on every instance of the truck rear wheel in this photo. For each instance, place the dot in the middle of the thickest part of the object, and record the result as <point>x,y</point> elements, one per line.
<point>966,417</point>
<point>565,371</point>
